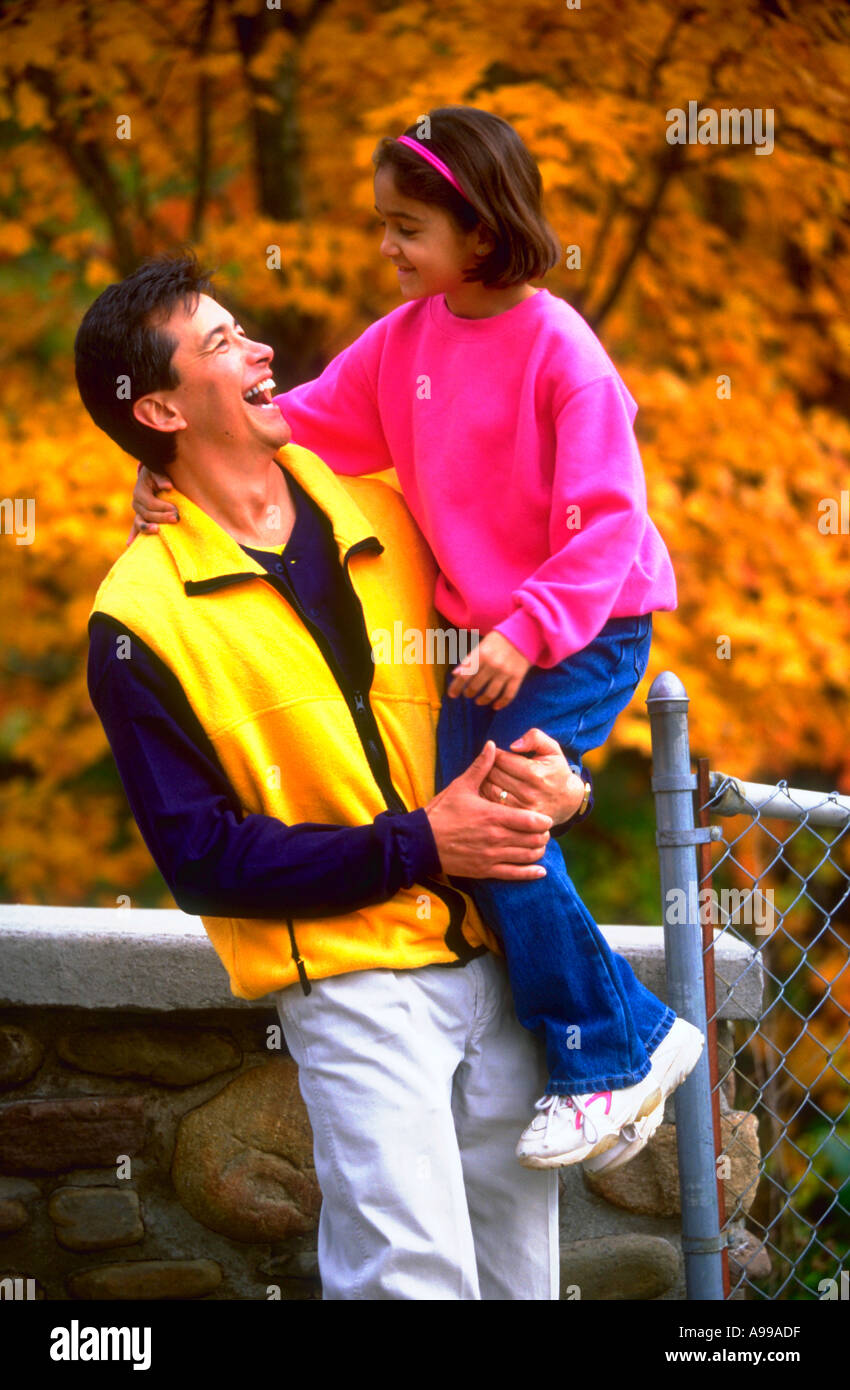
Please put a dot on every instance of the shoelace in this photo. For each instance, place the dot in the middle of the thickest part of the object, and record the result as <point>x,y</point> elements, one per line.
<point>552,1104</point>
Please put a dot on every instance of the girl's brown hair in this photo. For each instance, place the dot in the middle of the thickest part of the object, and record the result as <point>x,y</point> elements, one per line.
<point>501,182</point>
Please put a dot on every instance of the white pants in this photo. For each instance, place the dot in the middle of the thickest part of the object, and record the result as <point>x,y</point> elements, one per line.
<point>418,1084</point>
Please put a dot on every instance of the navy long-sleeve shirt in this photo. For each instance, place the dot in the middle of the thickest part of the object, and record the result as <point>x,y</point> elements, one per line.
<point>217,860</point>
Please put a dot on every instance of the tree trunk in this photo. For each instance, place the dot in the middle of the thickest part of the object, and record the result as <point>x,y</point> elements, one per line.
<point>274,118</point>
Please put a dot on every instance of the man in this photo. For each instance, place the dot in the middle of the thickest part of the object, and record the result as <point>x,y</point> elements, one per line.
<point>283,782</point>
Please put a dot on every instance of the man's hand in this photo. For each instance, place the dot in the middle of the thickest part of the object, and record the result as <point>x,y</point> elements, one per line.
<point>544,782</point>
<point>493,672</point>
<point>150,509</point>
<point>478,839</point>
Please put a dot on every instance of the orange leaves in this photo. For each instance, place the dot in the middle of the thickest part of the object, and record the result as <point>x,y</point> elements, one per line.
<point>58,833</point>
<point>314,269</point>
<point>59,847</point>
<point>30,108</point>
<point>734,487</point>
<point>98,274</point>
<point>265,65</point>
<point>15,240</point>
<point>730,267</point>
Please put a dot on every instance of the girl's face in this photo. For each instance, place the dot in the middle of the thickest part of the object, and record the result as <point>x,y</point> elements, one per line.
<point>426,246</point>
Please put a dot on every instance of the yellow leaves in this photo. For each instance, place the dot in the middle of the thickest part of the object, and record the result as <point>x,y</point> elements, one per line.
<point>321,265</point>
<point>30,107</point>
<point>56,845</point>
<point>840,333</point>
<point>740,274</point>
<point>15,239</point>
<point>219,64</point>
<point>271,56</point>
<point>98,273</point>
<point>815,236</point>
<point>807,118</point>
<point>75,246</point>
<point>555,173</point>
<point>263,102</point>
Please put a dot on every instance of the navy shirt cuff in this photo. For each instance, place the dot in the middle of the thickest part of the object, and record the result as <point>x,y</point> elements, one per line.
<point>415,843</point>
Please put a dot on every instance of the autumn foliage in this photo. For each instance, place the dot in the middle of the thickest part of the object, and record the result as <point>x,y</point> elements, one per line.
<point>717,277</point>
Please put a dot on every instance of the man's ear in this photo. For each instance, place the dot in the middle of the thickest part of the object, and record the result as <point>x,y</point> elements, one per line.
<point>158,413</point>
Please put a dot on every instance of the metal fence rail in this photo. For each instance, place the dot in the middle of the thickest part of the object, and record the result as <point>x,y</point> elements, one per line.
<point>771,1102</point>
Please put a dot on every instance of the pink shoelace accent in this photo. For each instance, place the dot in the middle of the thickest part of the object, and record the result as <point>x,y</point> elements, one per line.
<point>552,1104</point>
<point>580,1104</point>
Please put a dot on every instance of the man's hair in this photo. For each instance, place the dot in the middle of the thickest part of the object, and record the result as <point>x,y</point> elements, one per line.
<point>122,352</point>
<point>502,182</point>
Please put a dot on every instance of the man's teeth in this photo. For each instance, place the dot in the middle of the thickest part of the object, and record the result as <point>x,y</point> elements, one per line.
<point>260,389</point>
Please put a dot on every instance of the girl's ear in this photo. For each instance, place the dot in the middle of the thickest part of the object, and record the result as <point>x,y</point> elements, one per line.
<point>485,241</point>
<point>158,413</point>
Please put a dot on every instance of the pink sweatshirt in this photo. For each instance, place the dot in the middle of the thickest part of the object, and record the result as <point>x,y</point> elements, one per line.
<point>513,443</point>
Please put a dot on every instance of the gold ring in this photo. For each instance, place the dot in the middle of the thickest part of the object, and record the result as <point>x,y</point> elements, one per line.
<point>503,796</point>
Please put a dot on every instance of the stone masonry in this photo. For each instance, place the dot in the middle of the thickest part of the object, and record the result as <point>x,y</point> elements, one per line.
<point>154,1144</point>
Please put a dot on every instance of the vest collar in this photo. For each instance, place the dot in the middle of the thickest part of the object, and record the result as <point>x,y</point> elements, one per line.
<point>207,557</point>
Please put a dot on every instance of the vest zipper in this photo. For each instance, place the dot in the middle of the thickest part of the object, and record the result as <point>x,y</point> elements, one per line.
<point>453,900</point>
<point>296,956</point>
<point>455,905</point>
<point>321,642</point>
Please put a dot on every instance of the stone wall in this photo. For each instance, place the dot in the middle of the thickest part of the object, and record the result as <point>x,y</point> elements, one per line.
<point>143,1158</point>
<point>154,1144</point>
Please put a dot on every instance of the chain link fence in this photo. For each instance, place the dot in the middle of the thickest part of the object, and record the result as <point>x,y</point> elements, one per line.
<point>780,879</point>
<point>770,866</point>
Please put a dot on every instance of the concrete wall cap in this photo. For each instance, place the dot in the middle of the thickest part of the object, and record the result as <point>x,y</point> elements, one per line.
<point>162,961</point>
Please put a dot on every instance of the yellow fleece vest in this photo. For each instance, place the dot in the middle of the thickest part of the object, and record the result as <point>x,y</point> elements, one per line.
<point>284,735</point>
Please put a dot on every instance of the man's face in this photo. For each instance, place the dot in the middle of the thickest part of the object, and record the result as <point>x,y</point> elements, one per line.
<point>226,386</point>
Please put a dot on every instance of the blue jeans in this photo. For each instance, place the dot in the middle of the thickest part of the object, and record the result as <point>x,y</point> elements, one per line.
<point>599,1023</point>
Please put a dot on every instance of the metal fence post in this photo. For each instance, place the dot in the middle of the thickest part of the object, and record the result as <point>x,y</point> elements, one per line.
<point>673,784</point>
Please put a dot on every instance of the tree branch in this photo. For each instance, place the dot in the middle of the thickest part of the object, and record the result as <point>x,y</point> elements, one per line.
<point>617,196</point>
<point>670,162</point>
<point>202,158</point>
<point>314,12</point>
<point>149,103</point>
<point>89,163</point>
<point>682,17</point>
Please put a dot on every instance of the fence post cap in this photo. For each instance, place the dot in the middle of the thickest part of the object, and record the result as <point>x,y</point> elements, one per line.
<point>667,686</point>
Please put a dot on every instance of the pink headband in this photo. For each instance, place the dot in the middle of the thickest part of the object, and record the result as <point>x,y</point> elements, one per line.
<point>432,159</point>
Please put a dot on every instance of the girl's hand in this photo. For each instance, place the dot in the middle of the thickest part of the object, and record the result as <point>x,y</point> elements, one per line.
<point>148,506</point>
<point>139,528</point>
<point>492,673</point>
<point>543,781</point>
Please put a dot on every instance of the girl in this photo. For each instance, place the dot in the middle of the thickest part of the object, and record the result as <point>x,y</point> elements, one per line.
<point>511,433</point>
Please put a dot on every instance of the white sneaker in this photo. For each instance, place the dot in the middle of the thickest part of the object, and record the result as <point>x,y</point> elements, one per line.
<point>567,1132</point>
<point>636,1136</point>
<point>631,1140</point>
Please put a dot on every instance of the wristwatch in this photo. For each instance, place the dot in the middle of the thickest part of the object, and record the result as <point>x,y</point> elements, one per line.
<point>586,801</point>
